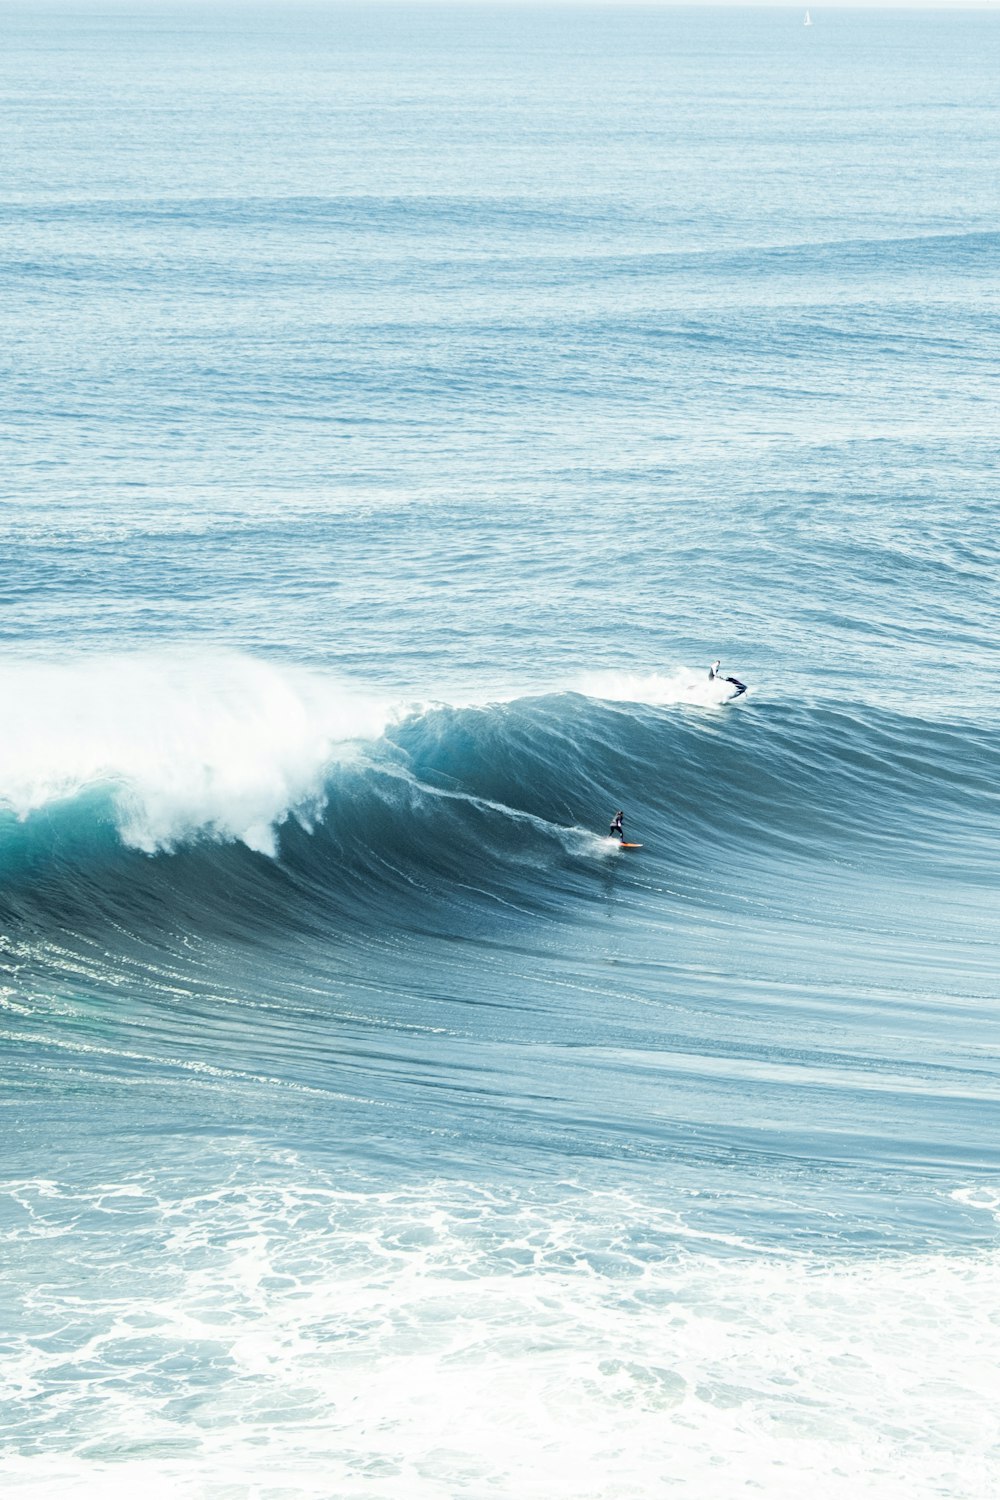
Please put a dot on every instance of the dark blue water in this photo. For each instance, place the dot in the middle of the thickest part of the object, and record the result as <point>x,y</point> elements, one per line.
<point>402,408</point>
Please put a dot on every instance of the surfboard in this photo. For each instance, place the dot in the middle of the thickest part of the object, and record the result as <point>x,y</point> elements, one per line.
<point>630,846</point>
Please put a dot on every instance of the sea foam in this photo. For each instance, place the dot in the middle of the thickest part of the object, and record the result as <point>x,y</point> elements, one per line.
<point>440,1340</point>
<point>677,685</point>
<point>184,743</point>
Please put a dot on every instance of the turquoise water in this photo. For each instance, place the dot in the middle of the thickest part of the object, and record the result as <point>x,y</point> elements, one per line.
<point>402,408</point>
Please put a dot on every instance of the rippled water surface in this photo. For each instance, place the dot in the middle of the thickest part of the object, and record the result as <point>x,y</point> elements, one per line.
<point>402,408</point>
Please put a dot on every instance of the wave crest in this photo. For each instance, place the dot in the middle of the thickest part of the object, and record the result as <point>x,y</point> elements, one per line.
<point>179,745</point>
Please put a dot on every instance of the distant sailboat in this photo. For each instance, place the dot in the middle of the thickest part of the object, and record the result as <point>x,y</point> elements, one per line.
<point>808,20</point>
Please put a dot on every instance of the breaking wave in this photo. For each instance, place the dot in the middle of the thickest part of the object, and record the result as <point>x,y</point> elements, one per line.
<point>314,788</point>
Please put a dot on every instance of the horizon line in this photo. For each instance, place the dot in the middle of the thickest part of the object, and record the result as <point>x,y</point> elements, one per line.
<point>707,5</point>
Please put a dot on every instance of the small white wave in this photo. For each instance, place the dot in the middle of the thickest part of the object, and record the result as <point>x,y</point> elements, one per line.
<point>986,1199</point>
<point>211,743</point>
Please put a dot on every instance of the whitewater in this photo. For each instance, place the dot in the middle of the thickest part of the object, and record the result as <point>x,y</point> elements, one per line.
<point>404,405</point>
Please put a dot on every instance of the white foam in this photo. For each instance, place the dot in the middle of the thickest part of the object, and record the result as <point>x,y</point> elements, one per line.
<point>438,1341</point>
<point>213,743</point>
<point>658,689</point>
<point>985,1198</point>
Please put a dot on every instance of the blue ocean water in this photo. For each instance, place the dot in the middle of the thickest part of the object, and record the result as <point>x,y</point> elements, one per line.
<point>402,407</point>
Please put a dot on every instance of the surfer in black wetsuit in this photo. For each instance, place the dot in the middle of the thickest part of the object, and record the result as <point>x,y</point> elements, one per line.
<point>617,831</point>
<point>713,676</point>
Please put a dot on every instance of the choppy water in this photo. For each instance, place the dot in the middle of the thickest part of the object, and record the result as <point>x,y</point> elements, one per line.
<point>402,407</point>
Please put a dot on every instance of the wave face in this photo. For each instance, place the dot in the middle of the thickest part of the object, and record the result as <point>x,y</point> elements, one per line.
<point>402,407</point>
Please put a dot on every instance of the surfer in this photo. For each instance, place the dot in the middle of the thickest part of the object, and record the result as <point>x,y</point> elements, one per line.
<point>713,676</point>
<point>617,831</point>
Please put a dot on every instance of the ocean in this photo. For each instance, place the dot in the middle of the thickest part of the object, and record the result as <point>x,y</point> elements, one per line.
<point>402,407</point>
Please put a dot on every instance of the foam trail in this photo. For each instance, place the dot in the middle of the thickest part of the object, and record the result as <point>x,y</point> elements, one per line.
<point>658,689</point>
<point>574,839</point>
